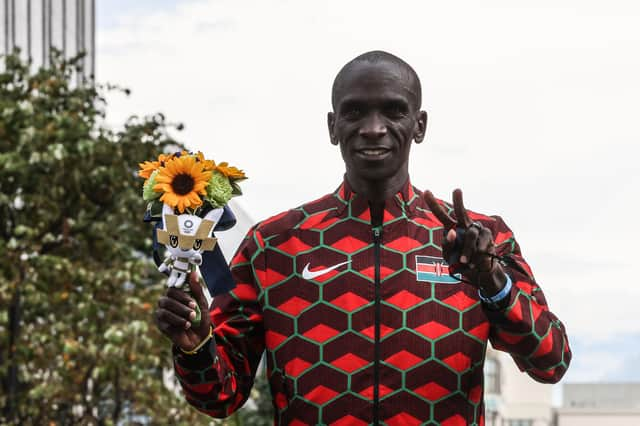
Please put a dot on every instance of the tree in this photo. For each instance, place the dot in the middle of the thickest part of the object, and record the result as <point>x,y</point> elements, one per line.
<point>77,285</point>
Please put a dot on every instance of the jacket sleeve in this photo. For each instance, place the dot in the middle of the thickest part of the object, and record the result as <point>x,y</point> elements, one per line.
<point>526,328</point>
<point>217,380</point>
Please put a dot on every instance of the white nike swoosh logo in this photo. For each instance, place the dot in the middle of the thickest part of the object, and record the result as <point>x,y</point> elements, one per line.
<point>309,275</point>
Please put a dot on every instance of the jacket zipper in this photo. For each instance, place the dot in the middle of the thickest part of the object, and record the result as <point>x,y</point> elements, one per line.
<point>377,237</point>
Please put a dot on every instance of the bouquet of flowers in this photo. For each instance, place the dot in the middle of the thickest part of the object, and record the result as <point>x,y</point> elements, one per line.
<point>187,198</point>
<point>188,182</point>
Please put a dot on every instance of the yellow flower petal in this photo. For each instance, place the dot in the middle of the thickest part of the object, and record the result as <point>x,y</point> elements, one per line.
<point>147,168</point>
<point>195,199</point>
<point>200,186</point>
<point>172,167</point>
<point>196,168</point>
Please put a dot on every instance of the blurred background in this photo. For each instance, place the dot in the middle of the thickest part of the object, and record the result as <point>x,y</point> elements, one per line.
<point>532,112</point>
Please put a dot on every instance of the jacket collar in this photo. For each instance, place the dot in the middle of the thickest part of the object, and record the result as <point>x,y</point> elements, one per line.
<point>402,204</point>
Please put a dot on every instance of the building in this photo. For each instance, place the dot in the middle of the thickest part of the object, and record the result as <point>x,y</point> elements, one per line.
<point>512,398</point>
<point>38,26</point>
<point>586,404</point>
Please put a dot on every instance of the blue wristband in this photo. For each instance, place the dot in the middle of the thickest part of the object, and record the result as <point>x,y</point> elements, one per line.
<point>493,300</point>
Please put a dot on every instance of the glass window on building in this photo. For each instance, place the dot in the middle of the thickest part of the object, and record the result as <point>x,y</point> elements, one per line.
<point>492,376</point>
<point>37,27</point>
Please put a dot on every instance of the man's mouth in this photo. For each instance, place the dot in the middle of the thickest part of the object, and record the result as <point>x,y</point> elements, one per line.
<point>373,153</point>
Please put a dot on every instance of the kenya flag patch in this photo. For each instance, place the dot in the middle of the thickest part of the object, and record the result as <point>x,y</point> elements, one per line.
<point>433,269</point>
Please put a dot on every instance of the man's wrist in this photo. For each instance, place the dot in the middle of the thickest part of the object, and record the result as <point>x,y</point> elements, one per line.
<point>497,300</point>
<point>493,281</point>
<point>200,345</point>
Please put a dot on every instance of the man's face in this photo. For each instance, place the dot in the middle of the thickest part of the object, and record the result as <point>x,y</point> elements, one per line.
<point>375,119</point>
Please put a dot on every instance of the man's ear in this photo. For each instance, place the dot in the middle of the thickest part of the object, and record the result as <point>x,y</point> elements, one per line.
<point>331,121</point>
<point>420,128</point>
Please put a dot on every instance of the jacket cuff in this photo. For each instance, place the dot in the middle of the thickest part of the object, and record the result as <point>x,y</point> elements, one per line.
<point>201,359</point>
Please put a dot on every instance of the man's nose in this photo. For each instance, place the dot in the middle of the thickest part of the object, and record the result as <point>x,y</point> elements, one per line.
<point>373,127</point>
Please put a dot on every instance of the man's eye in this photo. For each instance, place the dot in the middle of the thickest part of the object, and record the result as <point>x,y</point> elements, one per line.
<point>396,111</point>
<point>352,113</point>
<point>173,241</point>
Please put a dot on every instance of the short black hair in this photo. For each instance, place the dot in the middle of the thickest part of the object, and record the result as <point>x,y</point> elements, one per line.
<point>374,57</point>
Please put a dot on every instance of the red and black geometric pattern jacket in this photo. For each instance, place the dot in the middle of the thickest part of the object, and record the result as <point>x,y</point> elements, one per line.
<point>383,336</point>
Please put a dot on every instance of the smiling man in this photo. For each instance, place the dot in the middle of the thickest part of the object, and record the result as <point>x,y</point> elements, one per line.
<point>374,303</point>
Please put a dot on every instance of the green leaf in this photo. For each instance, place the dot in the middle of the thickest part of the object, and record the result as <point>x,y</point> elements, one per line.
<point>235,188</point>
<point>155,208</point>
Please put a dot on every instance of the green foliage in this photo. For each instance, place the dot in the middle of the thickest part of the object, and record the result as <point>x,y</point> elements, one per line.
<point>77,287</point>
<point>219,189</point>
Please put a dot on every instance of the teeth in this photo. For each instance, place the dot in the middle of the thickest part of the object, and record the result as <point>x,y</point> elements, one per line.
<point>373,151</point>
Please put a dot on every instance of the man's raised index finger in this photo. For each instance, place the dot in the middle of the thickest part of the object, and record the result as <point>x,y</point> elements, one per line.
<point>438,211</point>
<point>458,207</point>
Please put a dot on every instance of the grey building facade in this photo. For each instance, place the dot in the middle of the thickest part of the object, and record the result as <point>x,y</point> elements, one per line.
<point>596,404</point>
<point>37,26</point>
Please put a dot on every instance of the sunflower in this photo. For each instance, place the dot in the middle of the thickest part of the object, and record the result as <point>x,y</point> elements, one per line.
<point>147,168</point>
<point>164,157</point>
<point>182,180</point>
<point>231,172</point>
<point>208,164</point>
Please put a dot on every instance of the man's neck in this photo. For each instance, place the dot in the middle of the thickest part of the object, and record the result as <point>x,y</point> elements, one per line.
<point>377,192</point>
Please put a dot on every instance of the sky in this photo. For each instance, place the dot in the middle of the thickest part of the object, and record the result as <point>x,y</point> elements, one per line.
<point>533,111</point>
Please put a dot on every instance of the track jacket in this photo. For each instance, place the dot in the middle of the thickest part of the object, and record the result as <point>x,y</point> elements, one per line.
<point>363,325</point>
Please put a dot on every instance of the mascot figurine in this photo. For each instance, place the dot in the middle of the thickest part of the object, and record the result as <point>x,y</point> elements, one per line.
<point>187,197</point>
<point>185,236</point>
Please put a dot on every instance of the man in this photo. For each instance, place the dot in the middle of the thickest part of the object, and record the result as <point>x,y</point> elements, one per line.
<point>351,296</point>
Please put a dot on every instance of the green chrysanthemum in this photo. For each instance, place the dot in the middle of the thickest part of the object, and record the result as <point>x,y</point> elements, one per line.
<point>219,190</point>
<point>148,193</point>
